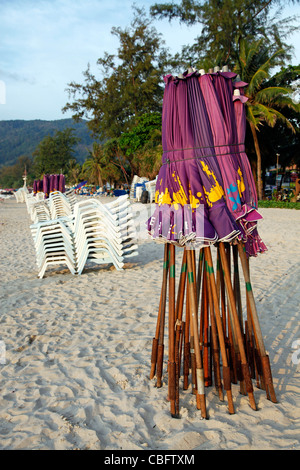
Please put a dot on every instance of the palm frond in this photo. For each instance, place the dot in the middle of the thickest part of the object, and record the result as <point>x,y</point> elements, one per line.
<point>270,116</point>
<point>280,96</point>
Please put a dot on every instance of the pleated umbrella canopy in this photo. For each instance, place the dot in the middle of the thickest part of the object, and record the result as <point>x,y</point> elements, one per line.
<point>209,172</point>
<point>181,212</point>
<point>34,187</point>
<point>39,186</point>
<point>46,185</point>
<point>205,189</point>
<point>61,183</point>
<point>232,184</point>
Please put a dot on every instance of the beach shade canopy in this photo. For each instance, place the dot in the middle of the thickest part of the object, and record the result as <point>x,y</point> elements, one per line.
<point>205,190</point>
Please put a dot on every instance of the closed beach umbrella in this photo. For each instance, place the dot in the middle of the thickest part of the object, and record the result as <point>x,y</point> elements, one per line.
<point>51,183</point>
<point>207,163</point>
<point>61,183</point>
<point>46,185</point>
<point>34,187</point>
<point>224,152</point>
<point>55,182</point>
<point>181,212</point>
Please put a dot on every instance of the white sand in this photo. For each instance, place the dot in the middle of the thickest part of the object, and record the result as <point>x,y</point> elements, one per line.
<point>78,348</point>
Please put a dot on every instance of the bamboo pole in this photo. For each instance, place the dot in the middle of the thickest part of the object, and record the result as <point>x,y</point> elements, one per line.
<point>171,349</point>
<point>160,347</point>
<point>219,324</point>
<point>194,328</point>
<point>179,329</point>
<point>239,337</point>
<point>238,300</point>
<point>205,333</point>
<point>186,348</point>
<point>214,340</point>
<point>266,368</point>
<point>161,302</point>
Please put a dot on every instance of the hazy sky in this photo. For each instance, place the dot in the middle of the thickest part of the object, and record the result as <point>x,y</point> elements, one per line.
<point>46,44</point>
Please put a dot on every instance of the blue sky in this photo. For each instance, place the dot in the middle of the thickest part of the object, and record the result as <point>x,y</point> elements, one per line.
<point>45,44</point>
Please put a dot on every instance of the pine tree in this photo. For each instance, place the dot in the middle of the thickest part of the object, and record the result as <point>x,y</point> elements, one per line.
<point>131,82</point>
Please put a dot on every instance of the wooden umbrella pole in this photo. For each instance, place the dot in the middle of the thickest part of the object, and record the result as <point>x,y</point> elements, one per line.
<point>223,302</point>
<point>266,368</point>
<point>239,337</point>
<point>193,316</point>
<point>214,299</point>
<point>205,332</point>
<point>255,362</point>
<point>161,303</point>
<point>237,294</point>
<point>186,347</point>
<point>200,271</point>
<point>160,347</point>
<point>171,362</point>
<point>214,338</point>
<point>178,328</point>
<point>233,346</point>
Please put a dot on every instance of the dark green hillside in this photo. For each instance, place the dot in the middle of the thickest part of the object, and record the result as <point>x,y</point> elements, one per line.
<point>19,137</point>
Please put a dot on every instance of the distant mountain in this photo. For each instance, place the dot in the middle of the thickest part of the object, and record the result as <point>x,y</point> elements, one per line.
<point>19,137</point>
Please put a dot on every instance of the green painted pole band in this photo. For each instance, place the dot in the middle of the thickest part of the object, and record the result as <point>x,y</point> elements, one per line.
<point>184,268</point>
<point>208,268</point>
<point>248,286</point>
<point>191,277</point>
<point>172,271</point>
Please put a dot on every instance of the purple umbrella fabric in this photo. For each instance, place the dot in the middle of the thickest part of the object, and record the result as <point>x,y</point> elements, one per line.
<point>39,186</point>
<point>46,187</point>
<point>61,183</point>
<point>208,168</point>
<point>181,212</point>
<point>204,191</point>
<point>228,165</point>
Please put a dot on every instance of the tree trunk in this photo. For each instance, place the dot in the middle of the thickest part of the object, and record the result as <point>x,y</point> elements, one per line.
<point>258,154</point>
<point>99,178</point>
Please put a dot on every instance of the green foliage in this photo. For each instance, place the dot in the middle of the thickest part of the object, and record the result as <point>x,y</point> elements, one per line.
<point>266,104</point>
<point>131,83</point>
<point>19,137</point>
<point>135,139</point>
<point>279,205</point>
<point>224,23</point>
<point>11,176</point>
<point>54,153</point>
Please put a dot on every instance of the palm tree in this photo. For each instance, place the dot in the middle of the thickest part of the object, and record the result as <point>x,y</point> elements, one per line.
<point>265,103</point>
<point>93,165</point>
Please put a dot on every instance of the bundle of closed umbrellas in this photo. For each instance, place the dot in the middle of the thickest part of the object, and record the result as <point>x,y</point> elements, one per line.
<point>206,196</point>
<point>49,184</point>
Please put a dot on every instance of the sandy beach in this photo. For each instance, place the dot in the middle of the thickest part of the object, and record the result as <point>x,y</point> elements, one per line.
<point>75,370</point>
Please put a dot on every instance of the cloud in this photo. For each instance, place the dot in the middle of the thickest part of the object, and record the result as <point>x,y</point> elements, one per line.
<point>46,44</point>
